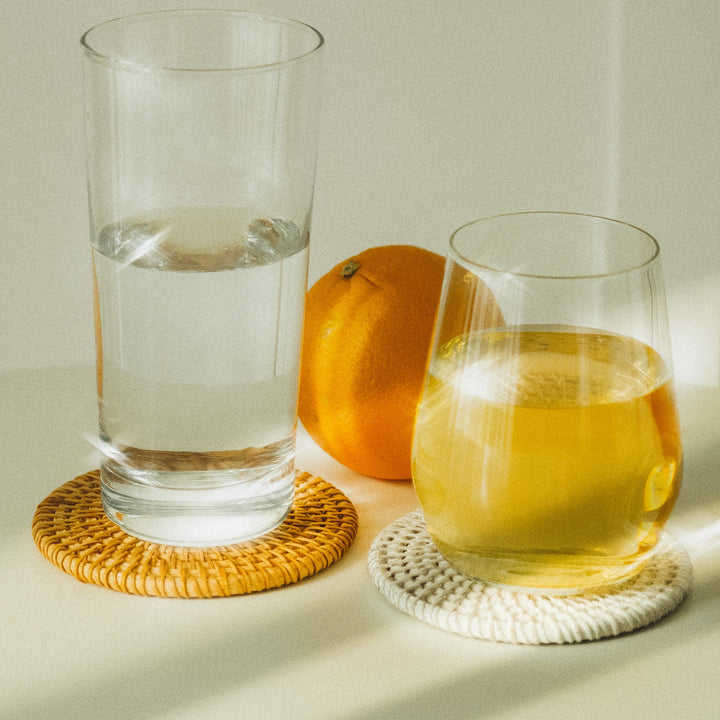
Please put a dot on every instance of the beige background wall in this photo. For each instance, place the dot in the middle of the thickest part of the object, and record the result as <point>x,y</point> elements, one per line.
<point>435,113</point>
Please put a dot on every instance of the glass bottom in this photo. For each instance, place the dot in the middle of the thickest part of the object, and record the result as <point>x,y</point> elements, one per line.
<point>544,573</point>
<point>197,508</point>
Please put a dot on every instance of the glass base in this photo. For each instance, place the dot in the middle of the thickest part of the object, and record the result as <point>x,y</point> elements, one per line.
<point>197,508</point>
<point>546,574</point>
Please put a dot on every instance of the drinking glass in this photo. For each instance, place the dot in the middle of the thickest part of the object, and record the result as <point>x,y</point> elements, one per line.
<point>547,451</point>
<point>201,142</point>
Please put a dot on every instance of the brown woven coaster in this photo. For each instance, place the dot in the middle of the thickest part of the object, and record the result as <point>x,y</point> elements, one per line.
<point>412,574</point>
<point>71,530</point>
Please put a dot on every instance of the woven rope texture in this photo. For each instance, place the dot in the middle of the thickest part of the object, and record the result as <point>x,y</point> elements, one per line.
<point>412,574</point>
<point>71,530</point>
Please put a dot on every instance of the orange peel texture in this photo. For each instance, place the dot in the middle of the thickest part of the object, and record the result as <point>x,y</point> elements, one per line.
<point>367,336</point>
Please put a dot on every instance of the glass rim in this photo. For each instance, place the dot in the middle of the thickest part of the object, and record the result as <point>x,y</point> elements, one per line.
<point>654,254</point>
<point>115,60</point>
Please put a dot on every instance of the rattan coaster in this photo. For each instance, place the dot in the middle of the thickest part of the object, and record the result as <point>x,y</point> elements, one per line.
<point>72,531</point>
<point>412,574</point>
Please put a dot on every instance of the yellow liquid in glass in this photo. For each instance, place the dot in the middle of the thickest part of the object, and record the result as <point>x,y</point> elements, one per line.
<point>547,458</point>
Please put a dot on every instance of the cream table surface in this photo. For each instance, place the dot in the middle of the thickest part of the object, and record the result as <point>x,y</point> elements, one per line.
<point>329,647</point>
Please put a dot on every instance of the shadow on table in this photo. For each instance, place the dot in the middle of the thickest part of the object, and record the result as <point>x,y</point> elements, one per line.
<point>168,685</point>
<point>198,668</point>
<point>498,690</point>
<point>509,677</point>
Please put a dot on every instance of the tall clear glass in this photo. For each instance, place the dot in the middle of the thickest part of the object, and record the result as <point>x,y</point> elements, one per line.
<point>547,450</point>
<point>202,132</point>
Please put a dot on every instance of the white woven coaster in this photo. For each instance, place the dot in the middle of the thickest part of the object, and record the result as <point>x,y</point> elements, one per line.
<point>412,574</point>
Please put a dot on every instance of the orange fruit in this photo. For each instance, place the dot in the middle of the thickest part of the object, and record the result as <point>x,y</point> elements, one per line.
<point>367,335</point>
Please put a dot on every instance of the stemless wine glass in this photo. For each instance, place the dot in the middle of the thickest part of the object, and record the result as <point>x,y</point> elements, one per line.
<point>547,449</point>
